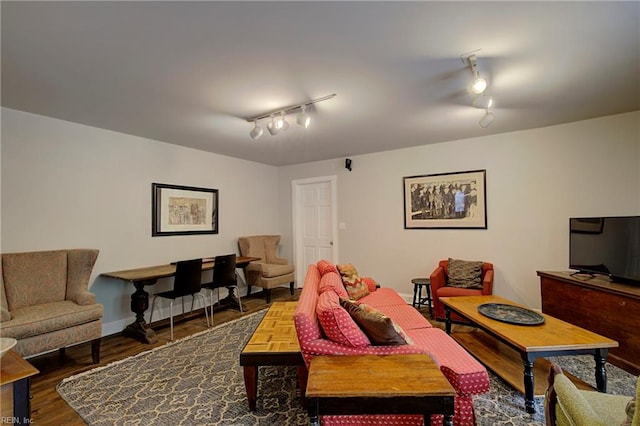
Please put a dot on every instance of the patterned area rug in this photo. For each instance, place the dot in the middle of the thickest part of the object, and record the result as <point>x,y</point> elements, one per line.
<point>198,381</point>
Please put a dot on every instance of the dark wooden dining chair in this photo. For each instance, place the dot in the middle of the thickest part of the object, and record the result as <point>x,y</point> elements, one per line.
<point>187,282</point>
<point>224,276</point>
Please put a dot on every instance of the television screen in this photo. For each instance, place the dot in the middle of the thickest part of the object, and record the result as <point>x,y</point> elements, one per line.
<point>606,245</point>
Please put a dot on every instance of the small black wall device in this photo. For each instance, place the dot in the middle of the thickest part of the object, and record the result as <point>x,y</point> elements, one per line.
<point>347,164</point>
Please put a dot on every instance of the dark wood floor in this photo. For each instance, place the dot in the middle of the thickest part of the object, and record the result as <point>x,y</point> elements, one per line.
<point>48,408</point>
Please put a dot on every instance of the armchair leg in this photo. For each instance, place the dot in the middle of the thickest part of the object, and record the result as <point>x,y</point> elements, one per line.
<point>248,290</point>
<point>95,351</point>
<point>267,293</point>
<point>291,284</point>
<point>61,354</point>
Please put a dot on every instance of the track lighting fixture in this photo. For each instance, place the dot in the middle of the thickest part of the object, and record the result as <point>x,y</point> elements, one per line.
<point>256,132</point>
<point>483,101</point>
<point>278,121</point>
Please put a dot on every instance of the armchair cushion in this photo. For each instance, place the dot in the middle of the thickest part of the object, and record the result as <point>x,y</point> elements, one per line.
<point>354,285</point>
<point>465,274</point>
<point>270,270</point>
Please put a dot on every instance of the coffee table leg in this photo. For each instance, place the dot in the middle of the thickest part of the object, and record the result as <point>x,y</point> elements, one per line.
<point>313,410</point>
<point>601,372</point>
<point>529,403</point>
<point>447,323</point>
<point>447,420</point>
<point>251,385</point>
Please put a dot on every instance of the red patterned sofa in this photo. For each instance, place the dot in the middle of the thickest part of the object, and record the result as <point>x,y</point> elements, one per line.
<point>467,376</point>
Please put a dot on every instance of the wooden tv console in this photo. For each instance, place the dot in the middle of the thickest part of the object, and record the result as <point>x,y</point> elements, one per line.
<point>600,305</point>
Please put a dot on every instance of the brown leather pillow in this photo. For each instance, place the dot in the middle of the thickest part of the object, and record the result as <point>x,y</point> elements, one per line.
<point>378,327</point>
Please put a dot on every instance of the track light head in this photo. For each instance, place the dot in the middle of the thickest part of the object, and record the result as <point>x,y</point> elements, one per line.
<point>271,126</point>
<point>479,85</point>
<point>256,132</point>
<point>303,118</point>
<point>487,119</point>
<point>281,122</point>
<point>483,101</point>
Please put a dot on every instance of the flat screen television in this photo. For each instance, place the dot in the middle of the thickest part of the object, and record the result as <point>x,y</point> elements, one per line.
<point>606,245</point>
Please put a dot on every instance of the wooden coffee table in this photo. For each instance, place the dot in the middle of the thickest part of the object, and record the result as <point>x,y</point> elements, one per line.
<point>378,384</point>
<point>274,342</point>
<point>501,343</point>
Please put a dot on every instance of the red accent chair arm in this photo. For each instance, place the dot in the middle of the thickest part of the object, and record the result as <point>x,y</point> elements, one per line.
<point>487,283</point>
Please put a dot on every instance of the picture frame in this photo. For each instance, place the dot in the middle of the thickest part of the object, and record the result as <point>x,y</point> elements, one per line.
<point>183,210</point>
<point>456,200</point>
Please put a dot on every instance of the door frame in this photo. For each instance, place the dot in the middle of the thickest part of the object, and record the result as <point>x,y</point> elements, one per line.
<point>296,190</point>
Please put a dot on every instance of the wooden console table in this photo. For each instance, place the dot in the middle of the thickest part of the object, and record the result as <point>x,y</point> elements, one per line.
<point>140,277</point>
<point>600,305</point>
<point>378,384</point>
<point>15,380</point>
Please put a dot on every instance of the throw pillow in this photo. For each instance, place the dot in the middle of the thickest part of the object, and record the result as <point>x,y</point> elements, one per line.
<point>337,324</point>
<point>378,327</point>
<point>324,267</point>
<point>355,286</point>
<point>332,282</point>
<point>464,273</point>
<point>372,285</point>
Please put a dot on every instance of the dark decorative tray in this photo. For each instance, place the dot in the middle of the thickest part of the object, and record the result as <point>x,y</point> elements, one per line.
<point>511,314</point>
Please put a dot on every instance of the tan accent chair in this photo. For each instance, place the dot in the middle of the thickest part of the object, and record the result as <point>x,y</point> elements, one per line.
<point>45,304</point>
<point>270,271</point>
<point>566,405</point>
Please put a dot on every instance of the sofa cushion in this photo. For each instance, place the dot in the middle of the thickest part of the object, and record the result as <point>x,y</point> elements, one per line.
<point>35,277</point>
<point>336,322</point>
<point>353,283</point>
<point>405,316</point>
<point>332,282</point>
<point>48,317</point>
<point>383,296</point>
<point>378,327</point>
<point>465,274</point>
<point>324,266</point>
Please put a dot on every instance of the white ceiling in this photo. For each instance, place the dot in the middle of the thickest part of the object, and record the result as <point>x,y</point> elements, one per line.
<point>189,73</point>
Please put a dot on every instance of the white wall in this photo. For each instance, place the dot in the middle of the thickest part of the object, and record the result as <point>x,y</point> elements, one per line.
<point>536,180</point>
<point>66,185</point>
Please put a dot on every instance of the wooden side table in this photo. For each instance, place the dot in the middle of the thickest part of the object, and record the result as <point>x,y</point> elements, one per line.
<point>15,393</point>
<point>418,283</point>
<point>378,384</point>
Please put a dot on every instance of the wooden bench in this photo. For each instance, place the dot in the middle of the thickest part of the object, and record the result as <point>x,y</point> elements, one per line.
<point>274,342</point>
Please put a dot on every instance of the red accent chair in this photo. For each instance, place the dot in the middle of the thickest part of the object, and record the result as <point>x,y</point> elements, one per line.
<point>439,279</point>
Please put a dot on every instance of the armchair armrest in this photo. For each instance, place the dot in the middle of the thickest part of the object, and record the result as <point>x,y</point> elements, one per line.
<point>487,283</point>
<point>84,298</point>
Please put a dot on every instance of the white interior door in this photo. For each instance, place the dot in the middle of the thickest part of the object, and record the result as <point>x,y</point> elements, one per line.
<point>315,216</point>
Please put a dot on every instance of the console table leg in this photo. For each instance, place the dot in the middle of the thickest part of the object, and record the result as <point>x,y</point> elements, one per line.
<point>139,329</point>
<point>447,323</point>
<point>529,403</point>
<point>601,372</point>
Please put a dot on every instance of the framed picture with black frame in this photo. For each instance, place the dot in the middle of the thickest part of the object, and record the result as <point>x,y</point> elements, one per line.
<point>446,201</point>
<point>183,210</point>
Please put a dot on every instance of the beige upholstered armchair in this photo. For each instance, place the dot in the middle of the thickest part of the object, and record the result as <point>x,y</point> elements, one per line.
<point>45,304</point>
<point>566,405</point>
<point>270,271</point>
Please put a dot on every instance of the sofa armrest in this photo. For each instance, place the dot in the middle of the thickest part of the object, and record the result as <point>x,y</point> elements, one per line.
<point>371,284</point>
<point>487,283</point>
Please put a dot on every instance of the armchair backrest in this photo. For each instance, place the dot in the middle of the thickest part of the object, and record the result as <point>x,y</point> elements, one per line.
<point>38,277</point>
<point>263,246</point>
